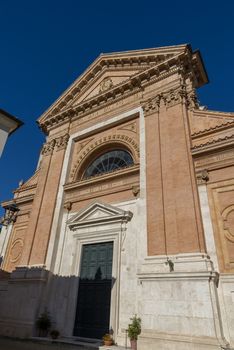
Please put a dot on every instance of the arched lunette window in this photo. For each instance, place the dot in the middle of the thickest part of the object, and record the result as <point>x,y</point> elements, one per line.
<point>109,161</point>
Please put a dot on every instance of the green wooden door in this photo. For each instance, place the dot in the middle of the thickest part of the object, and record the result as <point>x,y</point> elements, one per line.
<point>94,294</point>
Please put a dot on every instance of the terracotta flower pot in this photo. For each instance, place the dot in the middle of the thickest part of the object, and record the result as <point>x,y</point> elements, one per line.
<point>108,342</point>
<point>133,344</point>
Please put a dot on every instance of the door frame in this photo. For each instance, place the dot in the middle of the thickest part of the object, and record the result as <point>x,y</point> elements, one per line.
<point>110,282</point>
<point>108,229</point>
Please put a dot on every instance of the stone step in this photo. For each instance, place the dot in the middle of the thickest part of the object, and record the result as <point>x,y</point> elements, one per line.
<point>112,347</point>
<point>68,343</point>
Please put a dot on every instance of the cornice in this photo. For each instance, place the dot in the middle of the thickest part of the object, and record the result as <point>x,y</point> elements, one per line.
<point>210,130</point>
<point>215,114</point>
<point>26,188</point>
<point>20,200</point>
<point>130,86</point>
<point>222,142</point>
<point>133,169</point>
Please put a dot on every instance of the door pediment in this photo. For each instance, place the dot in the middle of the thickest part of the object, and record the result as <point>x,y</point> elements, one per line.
<point>98,213</point>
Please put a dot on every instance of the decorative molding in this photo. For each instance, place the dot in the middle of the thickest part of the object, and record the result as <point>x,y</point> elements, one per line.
<point>84,143</point>
<point>202,177</point>
<point>98,214</point>
<point>57,143</point>
<point>213,142</point>
<point>106,84</point>
<point>112,62</point>
<point>67,205</point>
<point>171,65</point>
<point>228,226</point>
<point>129,127</point>
<point>57,119</point>
<point>136,190</point>
<point>219,127</point>
<point>48,148</point>
<point>16,250</point>
<point>61,142</point>
<point>111,183</point>
<point>120,138</point>
<point>151,105</point>
<point>171,98</point>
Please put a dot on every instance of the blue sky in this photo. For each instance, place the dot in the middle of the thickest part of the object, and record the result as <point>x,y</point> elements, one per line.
<point>46,44</point>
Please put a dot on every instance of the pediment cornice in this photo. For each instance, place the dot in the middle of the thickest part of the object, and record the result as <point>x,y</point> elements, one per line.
<point>98,213</point>
<point>153,65</point>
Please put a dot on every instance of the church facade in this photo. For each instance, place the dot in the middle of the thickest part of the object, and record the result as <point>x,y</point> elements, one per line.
<point>130,211</point>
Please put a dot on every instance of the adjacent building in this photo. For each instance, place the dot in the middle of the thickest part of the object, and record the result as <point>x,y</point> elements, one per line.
<point>8,124</point>
<point>131,210</point>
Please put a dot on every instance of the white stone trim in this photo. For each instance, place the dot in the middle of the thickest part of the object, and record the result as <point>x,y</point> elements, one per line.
<point>99,126</point>
<point>105,231</point>
<point>4,239</point>
<point>207,225</point>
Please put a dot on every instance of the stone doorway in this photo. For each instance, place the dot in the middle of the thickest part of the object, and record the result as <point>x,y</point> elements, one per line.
<point>94,293</point>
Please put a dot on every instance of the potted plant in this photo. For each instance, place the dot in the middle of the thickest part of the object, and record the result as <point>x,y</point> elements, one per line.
<point>43,323</point>
<point>134,329</point>
<point>54,334</point>
<point>107,339</point>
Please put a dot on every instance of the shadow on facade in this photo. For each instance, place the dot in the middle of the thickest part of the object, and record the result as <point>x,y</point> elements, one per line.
<point>27,292</point>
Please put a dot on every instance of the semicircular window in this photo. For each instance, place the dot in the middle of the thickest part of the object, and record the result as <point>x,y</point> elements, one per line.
<point>109,161</point>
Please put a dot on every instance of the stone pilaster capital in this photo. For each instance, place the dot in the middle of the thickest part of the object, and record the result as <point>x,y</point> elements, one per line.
<point>61,142</point>
<point>48,147</point>
<point>152,104</point>
<point>56,143</point>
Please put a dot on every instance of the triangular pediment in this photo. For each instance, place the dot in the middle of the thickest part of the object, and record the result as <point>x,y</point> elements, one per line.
<point>97,213</point>
<point>109,71</point>
<point>106,81</point>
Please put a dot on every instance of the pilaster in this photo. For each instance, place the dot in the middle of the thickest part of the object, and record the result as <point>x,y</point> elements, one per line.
<point>38,233</point>
<point>173,215</point>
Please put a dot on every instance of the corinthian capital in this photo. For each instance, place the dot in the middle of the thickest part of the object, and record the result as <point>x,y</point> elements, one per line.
<point>48,147</point>
<point>61,142</point>
<point>151,105</point>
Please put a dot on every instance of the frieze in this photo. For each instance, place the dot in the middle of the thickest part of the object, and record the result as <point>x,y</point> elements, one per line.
<point>215,158</point>
<point>104,188</point>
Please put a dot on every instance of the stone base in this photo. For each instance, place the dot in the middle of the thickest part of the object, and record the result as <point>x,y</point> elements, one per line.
<point>150,341</point>
<point>20,298</point>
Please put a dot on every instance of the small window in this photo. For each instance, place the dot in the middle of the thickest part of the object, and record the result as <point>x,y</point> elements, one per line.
<point>109,161</point>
